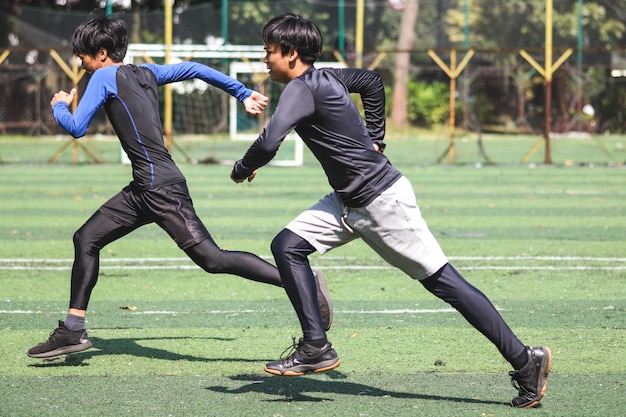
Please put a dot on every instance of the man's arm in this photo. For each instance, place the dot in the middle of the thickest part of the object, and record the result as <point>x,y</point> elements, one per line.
<point>369,85</point>
<point>98,88</point>
<point>188,70</point>
<point>295,104</point>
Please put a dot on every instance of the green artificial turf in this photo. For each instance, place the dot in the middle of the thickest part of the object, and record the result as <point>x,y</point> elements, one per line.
<point>544,243</point>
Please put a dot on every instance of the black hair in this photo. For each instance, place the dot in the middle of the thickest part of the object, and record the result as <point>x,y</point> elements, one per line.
<point>290,31</point>
<point>101,32</point>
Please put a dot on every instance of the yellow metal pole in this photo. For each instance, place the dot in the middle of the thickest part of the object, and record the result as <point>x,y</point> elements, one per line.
<point>548,101</point>
<point>453,71</point>
<point>547,71</point>
<point>358,42</point>
<point>379,58</point>
<point>451,150</point>
<point>74,105</point>
<point>548,51</point>
<point>4,55</point>
<point>168,104</point>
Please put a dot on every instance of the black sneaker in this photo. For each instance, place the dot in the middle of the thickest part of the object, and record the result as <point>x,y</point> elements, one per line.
<point>530,381</point>
<point>305,359</point>
<point>323,299</point>
<point>61,341</point>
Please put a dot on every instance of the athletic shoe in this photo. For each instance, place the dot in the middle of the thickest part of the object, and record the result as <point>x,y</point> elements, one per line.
<point>305,359</point>
<point>530,381</point>
<point>323,299</point>
<point>61,341</point>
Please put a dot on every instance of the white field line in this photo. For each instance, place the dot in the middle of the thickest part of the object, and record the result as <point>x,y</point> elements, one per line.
<point>170,312</point>
<point>339,258</point>
<point>156,263</point>
<point>26,264</point>
<point>326,267</point>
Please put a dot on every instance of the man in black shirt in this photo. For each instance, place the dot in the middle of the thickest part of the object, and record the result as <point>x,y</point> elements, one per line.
<point>371,200</point>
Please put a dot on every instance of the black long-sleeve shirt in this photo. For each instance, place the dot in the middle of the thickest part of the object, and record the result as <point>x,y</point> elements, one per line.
<point>317,104</point>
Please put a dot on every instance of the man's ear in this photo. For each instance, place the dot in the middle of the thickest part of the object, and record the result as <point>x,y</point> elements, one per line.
<point>293,55</point>
<point>102,55</point>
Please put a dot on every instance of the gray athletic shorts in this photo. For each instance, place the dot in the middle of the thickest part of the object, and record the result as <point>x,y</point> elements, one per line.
<point>392,225</point>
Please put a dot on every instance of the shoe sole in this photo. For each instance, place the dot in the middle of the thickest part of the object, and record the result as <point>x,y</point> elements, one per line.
<point>320,279</point>
<point>62,350</point>
<point>300,373</point>
<point>544,388</point>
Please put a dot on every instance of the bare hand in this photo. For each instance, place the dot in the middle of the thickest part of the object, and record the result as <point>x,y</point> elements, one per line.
<point>250,178</point>
<point>255,103</point>
<point>64,97</point>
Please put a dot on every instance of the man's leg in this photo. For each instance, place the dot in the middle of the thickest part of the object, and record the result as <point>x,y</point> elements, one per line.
<point>313,353</point>
<point>70,336</point>
<point>319,228</point>
<point>394,228</point>
<point>208,256</point>
<point>532,364</point>
<point>452,288</point>
<point>89,240</point>
<point>291,254</point>
<point>177,216</point>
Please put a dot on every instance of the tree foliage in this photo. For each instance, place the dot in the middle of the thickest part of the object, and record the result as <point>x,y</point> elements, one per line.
<point>521,24</point>
<point>488,25</point>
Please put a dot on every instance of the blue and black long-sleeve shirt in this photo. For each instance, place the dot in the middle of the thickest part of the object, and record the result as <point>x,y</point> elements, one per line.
<point>129,96</point>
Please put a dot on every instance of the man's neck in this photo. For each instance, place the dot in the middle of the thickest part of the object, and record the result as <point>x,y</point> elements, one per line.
<point>299,69</point>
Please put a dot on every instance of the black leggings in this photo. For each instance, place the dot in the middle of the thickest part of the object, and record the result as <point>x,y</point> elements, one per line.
<point>291,255</point>
<point>451,287</point>
<point>100,230</point>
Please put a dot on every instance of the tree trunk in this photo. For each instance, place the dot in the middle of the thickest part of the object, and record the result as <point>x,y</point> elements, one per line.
<point>406,38</point>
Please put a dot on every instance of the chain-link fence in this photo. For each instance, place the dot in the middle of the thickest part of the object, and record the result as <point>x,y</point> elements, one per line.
<point>499,90</point>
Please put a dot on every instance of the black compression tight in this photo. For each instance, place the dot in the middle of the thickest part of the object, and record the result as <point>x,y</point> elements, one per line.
<point>208,256</point>
<point>291,254</point>
<point>99,231</point>
<point>452,288</point>
<point>89,240</point>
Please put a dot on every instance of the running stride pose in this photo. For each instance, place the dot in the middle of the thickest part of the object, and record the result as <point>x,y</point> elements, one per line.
<point>158,193</point>
<point>371,200</point>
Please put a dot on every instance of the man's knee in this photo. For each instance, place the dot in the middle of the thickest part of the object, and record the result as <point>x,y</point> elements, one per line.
<point>83,242</point>
<point>280,243</point>
<point>208,256</point>
<point>287,243</point>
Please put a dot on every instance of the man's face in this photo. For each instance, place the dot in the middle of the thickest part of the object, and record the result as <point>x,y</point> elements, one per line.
<point>277,63</point>
<point>91,63</point>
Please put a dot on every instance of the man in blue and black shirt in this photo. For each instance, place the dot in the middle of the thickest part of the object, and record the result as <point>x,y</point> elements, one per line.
<point>158,192</point>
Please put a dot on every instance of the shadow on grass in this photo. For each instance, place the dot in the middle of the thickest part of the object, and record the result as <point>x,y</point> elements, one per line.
<point>299,389</point>
<point>130,346</point>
